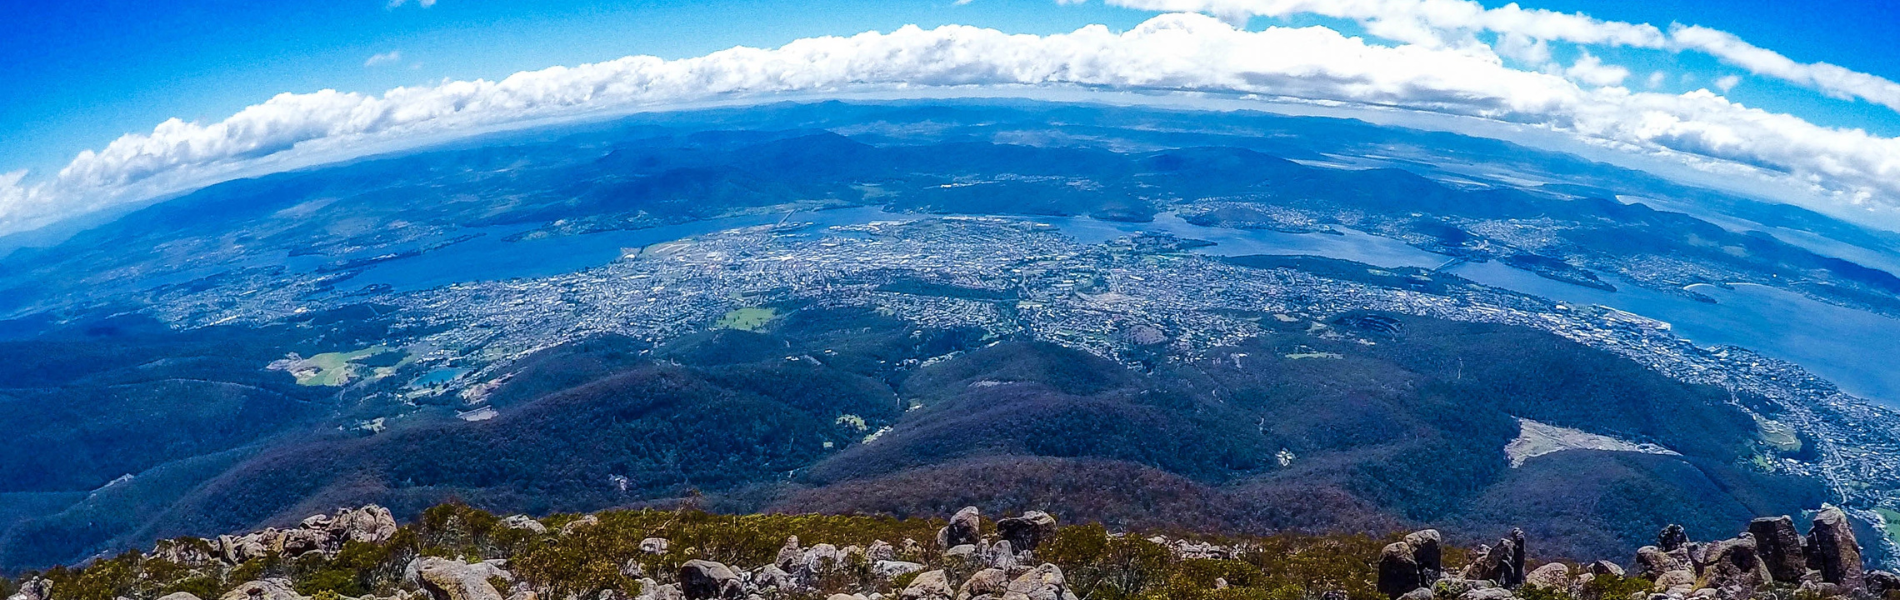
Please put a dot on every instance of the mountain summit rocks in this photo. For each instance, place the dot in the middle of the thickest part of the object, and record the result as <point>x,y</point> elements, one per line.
<point>1824,563</point>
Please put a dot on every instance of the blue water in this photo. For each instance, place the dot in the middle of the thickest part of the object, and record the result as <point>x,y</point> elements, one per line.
<point>1846,346</point>
<point>491,257</point>
<point>439,376</point>
<point>1348,244</point>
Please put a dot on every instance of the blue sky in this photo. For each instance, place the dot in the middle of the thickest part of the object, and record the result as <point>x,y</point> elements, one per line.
<point>78,74</point>
<point>82,73</point>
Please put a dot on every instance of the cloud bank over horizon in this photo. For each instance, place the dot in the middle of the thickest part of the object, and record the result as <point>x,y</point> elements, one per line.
<point>1436,65</point>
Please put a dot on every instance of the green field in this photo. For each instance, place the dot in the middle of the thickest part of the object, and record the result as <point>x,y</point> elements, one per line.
<point>1780,436</point>
<point>334,368</point>
<point>746,319</point>
<point>1893,523</point>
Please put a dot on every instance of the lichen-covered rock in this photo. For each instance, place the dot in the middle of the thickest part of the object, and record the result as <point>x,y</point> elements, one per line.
<point>1671,538</point>
<point>1780,547</point>
<point>965,528</point>
<point>880,550</point>
<point>1002,555</point>
<point>1418,594</point>
<point>1427,550</point>
<point>1044,582</point>
<point>789,554</point>
<point>1833,551</point>
<point>1652,562</point>
<point>770,577</point>
<point>987,583</point>
<point>886,570</point>
<point>1734,562</point>
<point>704,579</point>
<point>263,589</point>
<point>179,596</point>
<point>1494,563</point>
<point>653,590</point>
<point>447,579</point>
<point>1453,587</point>
<point>654,545</point>
<point>189,552</point>
<point>1553,576</point>
<point>524,523</point>
<point>1882,583</point>
<point>579,524</point>
<point>1518,552</point>
<point>1398,570</point>
<point>299,541</point>
<point>370,524</point>
<point>1675,578</point>
<point>33,589</point>
<point>929,585</point>
<point>1029,531</point>
<point>1492,593</point>
<point>1604,567</point>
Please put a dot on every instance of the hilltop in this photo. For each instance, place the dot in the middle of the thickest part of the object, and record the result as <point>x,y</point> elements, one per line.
<point>458,553</point>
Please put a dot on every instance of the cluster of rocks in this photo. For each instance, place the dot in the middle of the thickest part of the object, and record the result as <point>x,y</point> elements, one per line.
<point>1824,563</point>
<point>999,569</point>
<point>318,533</point>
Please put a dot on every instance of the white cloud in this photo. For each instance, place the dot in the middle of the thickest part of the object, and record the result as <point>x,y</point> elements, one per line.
<point>1448,22</point>
<point>1176,52</point>
<point>383,58</point>
<point>1727,82</point>
<point>421,3</point>
<point>1835,81</point>
<point>1656,79</point>
<point>1590,69</point>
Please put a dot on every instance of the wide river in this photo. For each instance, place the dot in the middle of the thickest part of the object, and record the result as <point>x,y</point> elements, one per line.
<point>1849,347</point>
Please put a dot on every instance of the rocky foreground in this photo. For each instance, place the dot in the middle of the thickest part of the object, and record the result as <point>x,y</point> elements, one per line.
<point>1770,558</point>
<point>457,553</point>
